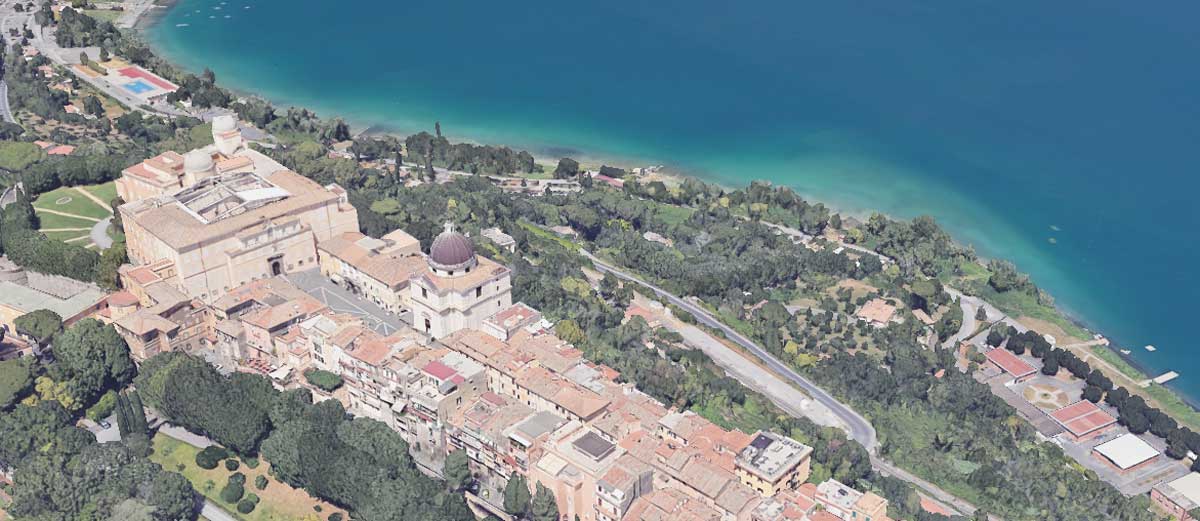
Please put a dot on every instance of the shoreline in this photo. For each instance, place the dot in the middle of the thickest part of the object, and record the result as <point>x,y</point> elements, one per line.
<point>548,154</point>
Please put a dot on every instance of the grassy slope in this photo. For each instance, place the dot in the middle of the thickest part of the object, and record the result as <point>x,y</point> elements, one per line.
<point>50,220</point>
<point>79,204</point>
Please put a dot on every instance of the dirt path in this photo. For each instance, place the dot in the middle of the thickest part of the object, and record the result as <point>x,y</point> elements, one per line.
<point>65,214</point>
<point>94,199</point>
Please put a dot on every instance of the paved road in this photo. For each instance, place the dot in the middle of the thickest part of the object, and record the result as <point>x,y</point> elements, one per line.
<point>5,111</point>
<point>100,233</point>
<point>782,393</point>
<point>858,428</point>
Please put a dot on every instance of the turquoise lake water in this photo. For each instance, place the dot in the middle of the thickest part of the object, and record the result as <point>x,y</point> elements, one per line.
<point>1013,123</point>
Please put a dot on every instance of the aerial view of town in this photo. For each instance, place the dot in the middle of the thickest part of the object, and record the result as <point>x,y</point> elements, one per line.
<point>277,298</point>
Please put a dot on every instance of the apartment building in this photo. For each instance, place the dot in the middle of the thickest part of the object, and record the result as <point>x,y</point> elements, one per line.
<point>378,269</point>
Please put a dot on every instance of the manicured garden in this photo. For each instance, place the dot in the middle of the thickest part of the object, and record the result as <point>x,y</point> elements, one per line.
<point>68,213</point>
<point>234,484</point>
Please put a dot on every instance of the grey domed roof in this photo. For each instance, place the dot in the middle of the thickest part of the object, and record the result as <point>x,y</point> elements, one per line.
<point>197,161</point>
<point>224,123</point>
<point>451,249</point>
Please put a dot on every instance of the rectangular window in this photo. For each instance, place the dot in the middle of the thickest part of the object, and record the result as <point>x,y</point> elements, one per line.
<point>424,293</point>
<point>479,292</point>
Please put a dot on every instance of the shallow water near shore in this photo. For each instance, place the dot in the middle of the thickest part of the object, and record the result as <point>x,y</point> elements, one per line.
<point>1062,137</point>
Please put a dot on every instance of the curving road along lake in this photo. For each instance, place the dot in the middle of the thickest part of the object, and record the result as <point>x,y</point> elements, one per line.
<point>1059,135</point>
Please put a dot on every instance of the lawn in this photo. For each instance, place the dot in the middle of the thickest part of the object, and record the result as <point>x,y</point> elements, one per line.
<point>16,155</point>
<point>106,192</point>
<point>64,236</point>
<point>671,214</point>
<point>103,15</point>
<point>52,221</point>
<point>548,235</point>
<point>69,200</point>
<point>278,502</point>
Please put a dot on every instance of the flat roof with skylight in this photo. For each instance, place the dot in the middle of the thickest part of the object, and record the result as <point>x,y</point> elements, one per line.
<point>771,456</point>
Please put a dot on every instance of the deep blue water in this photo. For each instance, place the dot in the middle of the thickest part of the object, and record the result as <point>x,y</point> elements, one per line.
<point>1011,122</point>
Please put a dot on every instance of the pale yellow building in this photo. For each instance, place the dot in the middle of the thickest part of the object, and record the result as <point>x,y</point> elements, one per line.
<point>457,289</point>
<point>378,269</point>
<point>771,463</point>
<point>227,215</point>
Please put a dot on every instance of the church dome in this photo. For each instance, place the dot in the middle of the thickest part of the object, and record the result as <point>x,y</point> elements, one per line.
<point>224,123</point>
<point>197,161</point>
<point>451,250</point>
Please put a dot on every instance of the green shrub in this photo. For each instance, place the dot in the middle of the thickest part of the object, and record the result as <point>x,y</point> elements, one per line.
<point>323,380</point>
<point>231,464</point>
<point>237,477</point>
<point>17,156</point>
<point>336,516</point>
<point>210,456</point>
<point>260,482</point>
<point>232,492</point>
<point>251,497</point>
<point>246,506</point>
<point>250,462</point>
<point>103,407</point>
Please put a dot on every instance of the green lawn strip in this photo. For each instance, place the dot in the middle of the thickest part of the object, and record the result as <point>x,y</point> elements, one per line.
<point>106,191</point>
<point>77,203</point>
<point>671,214</point>
<point>50,220</point>
<point>103,15</point>
<point>63,236</point>
<point>1110,356</point>
<point>548,235</point>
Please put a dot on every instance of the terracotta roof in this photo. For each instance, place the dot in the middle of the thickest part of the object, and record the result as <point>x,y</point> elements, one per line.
<point>439,370</point>
<point>393,268</point>
<point>1010,363</point>
<point>122,298</point>
<point>372,351</point>
<point>877,311</point>
<point>60,150</point>
<point>1082,417</point>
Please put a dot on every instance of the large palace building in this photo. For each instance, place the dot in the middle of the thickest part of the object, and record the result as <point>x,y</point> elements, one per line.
<point>225,215</point>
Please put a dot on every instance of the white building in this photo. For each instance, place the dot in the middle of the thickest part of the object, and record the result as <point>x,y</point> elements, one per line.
<point>457,289</point>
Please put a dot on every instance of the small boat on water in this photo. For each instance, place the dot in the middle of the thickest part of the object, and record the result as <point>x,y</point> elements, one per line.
<point>1125,351</point>
<point>181,25</point>
<point>1151,349</point>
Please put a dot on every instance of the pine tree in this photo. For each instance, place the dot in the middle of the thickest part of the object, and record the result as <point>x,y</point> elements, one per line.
<point>137,414</point>
<point>123,415</point>
<point>545,507</point>
<point>516,496</point>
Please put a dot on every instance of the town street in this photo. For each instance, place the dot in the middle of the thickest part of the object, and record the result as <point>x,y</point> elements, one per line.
<point>5,111</point>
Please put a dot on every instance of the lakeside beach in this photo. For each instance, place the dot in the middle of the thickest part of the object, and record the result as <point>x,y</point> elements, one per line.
<point>1075,268</point>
